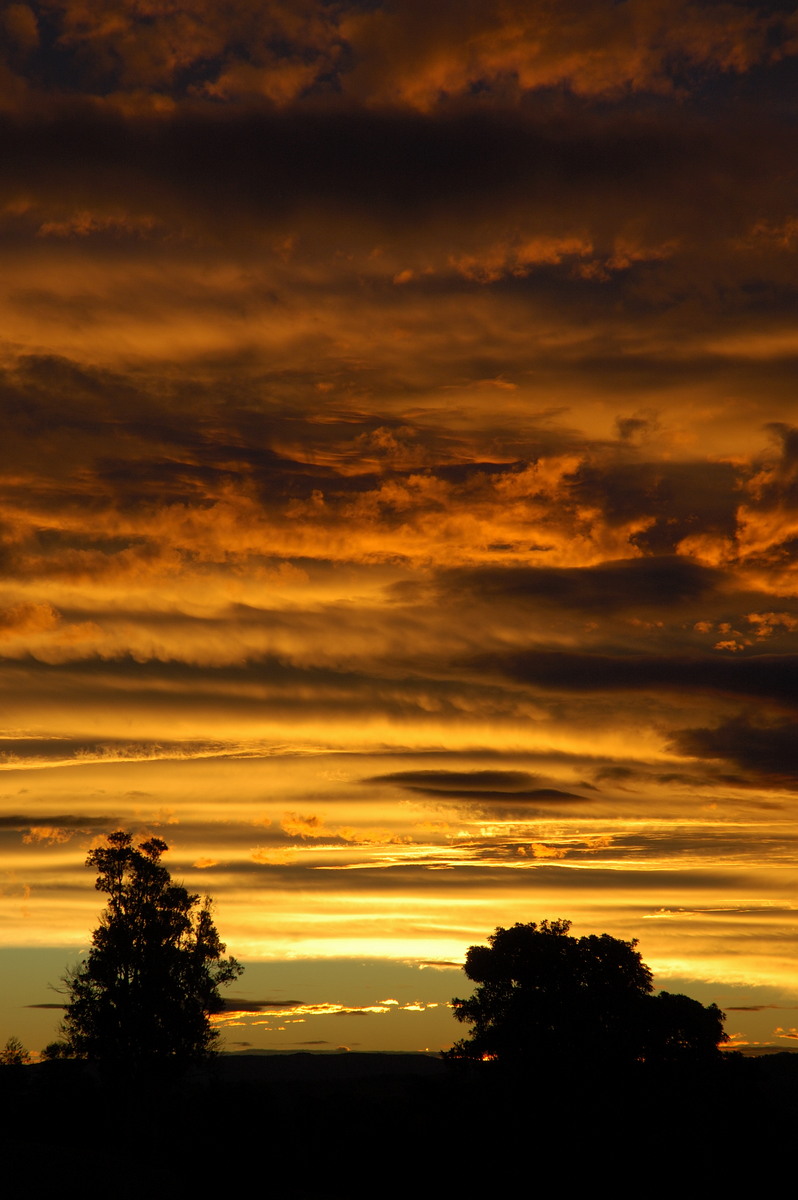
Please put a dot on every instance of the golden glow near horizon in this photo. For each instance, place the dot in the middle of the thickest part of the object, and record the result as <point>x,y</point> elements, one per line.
<point>399,495</point>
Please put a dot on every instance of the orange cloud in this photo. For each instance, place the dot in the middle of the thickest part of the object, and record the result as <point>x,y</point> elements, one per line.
<point>299,825</point>
<point>28,619</point>
<point>52,835</point>
<point>418,58</point>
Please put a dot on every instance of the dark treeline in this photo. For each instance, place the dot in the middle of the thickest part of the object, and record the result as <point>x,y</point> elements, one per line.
<point>352,1125</point>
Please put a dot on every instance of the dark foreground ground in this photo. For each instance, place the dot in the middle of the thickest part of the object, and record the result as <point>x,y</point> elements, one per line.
<point>308,1127</point>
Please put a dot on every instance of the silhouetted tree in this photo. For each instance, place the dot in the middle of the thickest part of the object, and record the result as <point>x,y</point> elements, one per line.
<point>151,980</point>
<point>680,1029</point>
<point>14,1054</point>
<point>547,997</point>
<point>55,1051</point>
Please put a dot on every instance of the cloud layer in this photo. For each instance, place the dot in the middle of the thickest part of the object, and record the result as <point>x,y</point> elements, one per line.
<point>399,506</point>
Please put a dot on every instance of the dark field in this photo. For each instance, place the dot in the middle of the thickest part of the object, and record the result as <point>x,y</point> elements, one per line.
<point>357,1125</point>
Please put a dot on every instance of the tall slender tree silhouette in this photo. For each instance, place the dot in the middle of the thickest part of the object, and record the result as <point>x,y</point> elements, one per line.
<point>151,980</point>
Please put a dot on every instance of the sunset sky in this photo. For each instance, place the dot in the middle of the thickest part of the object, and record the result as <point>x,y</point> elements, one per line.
<point>399,505</point>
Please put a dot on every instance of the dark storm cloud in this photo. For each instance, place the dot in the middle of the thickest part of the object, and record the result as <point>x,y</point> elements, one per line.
<point>604,589</point>
<point>683,498</point>
<point>789,439</point>
<point>241,165</point>
<point>379,54</point>
<point>778,487</point>
<point>758,1007</point>
<point>250,172</point>
<point>764,751</point>
<point>49,397</point>
<point>722,785</point>
<point>441,780</point>
<point>250,160</point>
<point>500,793</point>
<point>68,821</point>
<point>766,676</point>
